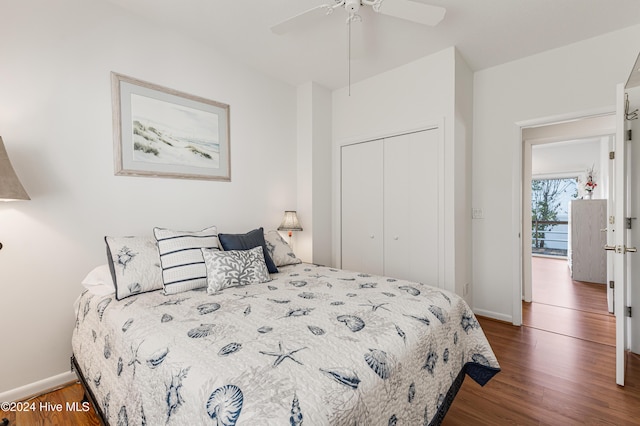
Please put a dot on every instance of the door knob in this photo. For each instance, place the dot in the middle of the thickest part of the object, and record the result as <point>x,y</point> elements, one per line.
<point>621,249</point>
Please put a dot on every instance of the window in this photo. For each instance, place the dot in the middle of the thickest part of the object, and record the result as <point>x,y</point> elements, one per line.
<point>550,213</point>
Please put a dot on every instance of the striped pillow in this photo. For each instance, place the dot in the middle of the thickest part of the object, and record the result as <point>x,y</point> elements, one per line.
<point>183,266</point>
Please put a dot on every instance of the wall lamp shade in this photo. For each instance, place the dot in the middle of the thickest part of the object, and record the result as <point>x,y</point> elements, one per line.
<point>290,222</point>
<point>10,187</point>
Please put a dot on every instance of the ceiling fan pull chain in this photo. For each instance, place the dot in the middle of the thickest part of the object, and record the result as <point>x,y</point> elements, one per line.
<point>353,17</point>
<point>349,53</point>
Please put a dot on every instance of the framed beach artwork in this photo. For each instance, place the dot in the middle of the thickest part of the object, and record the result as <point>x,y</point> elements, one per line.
<point>166,133</point>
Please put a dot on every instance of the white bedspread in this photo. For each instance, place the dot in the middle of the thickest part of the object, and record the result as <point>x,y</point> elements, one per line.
<point>315,345</point>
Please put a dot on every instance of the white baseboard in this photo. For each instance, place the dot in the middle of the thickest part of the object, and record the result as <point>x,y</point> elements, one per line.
<point>494,315</point>
<point>38,388</point>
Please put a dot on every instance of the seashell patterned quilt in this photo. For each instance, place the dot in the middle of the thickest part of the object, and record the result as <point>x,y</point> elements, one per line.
<point>314,346</point>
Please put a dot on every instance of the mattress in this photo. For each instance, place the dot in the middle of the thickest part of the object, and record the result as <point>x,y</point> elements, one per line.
<point>316,345</point>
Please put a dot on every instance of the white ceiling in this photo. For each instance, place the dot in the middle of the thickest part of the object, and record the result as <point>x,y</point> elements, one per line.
<point>486,32</point>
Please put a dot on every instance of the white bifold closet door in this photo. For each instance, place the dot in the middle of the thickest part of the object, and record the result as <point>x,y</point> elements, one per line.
<point>362,208</point>
<point>390,206</point>
<point>411,207</point>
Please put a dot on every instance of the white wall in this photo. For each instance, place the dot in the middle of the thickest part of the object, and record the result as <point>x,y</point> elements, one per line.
<point>55,119</point>
<point>569,148</point>
<point>573,159</point>
<point>578,78</point>
<point>462,175</point>
<point>313,244</point>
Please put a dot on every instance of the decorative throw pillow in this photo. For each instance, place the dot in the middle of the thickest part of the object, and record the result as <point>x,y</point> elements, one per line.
<point>279,250</point>
<point>181,259</point>
<point>234,268</point>
<point>99,281</point>
<point>134,265</point>
<point>248,241</point>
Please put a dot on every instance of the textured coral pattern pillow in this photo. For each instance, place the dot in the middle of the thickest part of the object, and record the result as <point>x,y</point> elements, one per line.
<point>234,268</point>
<point>248,241</point>
<point>279,250</point>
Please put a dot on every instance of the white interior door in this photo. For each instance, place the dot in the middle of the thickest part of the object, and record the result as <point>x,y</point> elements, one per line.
<point>411,222</point>
<point>621,250</point>
<point>362,226</point>
<point>633,234</point>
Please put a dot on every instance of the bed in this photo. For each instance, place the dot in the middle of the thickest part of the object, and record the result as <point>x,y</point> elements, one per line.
<point>313,344</point>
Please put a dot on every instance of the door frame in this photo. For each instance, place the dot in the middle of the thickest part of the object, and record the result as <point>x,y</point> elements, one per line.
<point>518,208</point>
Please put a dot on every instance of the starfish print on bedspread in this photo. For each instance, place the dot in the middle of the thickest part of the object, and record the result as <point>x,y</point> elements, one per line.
<point>375,307</point>
<point>281,355</point>
<point>134,359</point>
<point>174,302</point>
<point>245,295</point>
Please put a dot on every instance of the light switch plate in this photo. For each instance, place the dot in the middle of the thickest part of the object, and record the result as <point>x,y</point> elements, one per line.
<point>477,214</point>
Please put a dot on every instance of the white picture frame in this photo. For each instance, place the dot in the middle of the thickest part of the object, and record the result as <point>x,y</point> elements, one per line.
<point>161,132</point>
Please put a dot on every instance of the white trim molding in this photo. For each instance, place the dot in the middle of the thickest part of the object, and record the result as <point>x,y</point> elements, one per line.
<point>493,315</point>
<point>38,388</point>
<point>522,148</point>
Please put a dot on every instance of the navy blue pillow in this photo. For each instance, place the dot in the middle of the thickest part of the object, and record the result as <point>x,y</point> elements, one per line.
<point>248,241</point>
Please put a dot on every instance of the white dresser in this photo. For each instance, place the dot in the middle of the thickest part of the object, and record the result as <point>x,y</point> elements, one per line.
<point>587,257</point>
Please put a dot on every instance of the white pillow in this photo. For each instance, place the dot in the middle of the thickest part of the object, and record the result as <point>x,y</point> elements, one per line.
<point>234,268</point>
<point>279,250</point>
<point>99,281</point>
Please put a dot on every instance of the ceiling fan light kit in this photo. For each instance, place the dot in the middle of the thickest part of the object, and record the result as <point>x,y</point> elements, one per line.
<point>351,6</point>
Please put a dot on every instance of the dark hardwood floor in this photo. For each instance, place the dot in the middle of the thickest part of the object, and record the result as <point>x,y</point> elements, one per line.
<point>564,306</point>
<point>558,369</point>
<point>548,379</point>
<point>552,285</point>
<point>72,415</point>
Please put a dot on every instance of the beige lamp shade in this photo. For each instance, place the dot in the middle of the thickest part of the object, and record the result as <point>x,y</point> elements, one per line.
<point>290,222</point>
<point>10,187</point>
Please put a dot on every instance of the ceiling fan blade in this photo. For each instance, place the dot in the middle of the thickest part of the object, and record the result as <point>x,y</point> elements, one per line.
<point>411,11</point>
<point>301,20</point>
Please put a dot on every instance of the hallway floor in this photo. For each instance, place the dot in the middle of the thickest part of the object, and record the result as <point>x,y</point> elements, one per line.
<point>564,306</point>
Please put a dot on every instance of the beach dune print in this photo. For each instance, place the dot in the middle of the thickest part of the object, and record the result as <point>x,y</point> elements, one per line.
<point>167,133</point>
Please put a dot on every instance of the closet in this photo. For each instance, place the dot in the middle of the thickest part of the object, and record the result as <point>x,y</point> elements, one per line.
<point>390,206</point>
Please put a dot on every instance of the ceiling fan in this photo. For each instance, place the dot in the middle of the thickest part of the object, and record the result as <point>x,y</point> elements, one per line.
<point>403,9</point>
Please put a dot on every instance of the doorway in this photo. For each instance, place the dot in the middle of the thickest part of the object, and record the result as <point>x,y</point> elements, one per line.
<point>552,300</point>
